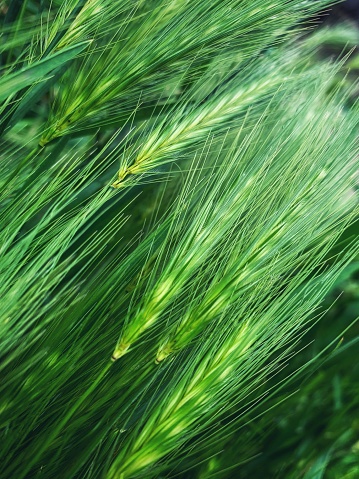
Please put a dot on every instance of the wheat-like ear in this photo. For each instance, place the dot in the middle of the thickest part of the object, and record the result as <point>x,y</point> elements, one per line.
<point>202,284</point>
<point>239,283</point>
<point>227,361</point>
<point>140,48</point>
<point>189,124</point>
<point>255,226</point>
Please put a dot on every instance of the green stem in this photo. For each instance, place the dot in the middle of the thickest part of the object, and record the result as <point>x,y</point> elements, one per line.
<point>65,420</point>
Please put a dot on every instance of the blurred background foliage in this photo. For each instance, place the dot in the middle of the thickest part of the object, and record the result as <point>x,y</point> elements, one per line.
<point>312,431</point>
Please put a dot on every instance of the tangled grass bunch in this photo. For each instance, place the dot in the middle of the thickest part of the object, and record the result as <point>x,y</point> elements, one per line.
<point>176,181</point>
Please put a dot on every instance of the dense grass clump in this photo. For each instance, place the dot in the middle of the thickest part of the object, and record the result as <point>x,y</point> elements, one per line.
<point>178,198</point>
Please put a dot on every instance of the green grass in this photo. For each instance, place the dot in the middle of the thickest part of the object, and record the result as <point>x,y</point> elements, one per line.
<point>178,198</point>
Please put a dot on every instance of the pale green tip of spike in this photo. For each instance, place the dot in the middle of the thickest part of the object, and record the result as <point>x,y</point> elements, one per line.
<point>120,351</point>
<point>119,183</point>
<point>163,352</point>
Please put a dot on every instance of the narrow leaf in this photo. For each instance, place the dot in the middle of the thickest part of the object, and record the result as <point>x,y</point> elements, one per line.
<point>14,82</point>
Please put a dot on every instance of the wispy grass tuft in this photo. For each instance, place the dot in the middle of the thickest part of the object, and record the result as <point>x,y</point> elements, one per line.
<point>177,178</point>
